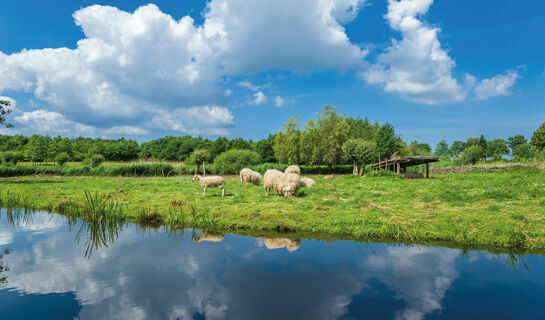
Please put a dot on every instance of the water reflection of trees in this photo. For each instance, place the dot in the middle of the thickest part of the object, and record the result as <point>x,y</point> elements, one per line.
<point>3,268</point>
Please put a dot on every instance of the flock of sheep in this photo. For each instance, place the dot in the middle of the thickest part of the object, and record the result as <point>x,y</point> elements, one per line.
<point>287,183</point>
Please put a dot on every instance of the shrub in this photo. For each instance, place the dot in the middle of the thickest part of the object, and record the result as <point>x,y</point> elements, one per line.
<point>62,158</point>
<point>198,157</point>
<point>94,160</point>
<point>232,161</point>
<point>12,157</point>
<point>470,155</point>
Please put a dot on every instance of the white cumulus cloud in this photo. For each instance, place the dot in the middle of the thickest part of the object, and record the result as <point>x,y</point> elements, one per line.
<point>53,123</point>
<point>129,65</point>
<point>204,120</point>
<point>499,85</point>
<point>417,67</point>
<point>259,98</point>
<point>300,36</point>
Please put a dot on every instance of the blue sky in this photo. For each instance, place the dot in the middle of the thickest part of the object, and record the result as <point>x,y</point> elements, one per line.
<point>434,69</point>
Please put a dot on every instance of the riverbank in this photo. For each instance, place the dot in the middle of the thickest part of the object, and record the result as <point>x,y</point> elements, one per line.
<point>504,209</point>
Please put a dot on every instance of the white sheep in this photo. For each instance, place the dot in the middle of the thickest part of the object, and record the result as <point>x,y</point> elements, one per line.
<point>281,182</point>
<point>204,236</point>
<point>292,169</point>
<point>293,181</point>
<point>307,182</point>
<point>210,181</point>
<point>278,243</point>
<point>249,176</point>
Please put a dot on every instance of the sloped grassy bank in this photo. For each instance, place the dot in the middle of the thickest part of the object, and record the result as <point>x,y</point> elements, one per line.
<point>503,209</point>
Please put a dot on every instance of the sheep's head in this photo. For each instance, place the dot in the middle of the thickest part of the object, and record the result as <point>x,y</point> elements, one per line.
<point>195,178</point>
<point>289,189</point>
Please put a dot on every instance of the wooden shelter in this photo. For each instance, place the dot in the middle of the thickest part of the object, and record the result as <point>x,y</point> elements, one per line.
<point>398,163</point>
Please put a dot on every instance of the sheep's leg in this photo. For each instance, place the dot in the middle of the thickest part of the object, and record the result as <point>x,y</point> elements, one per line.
<point>222,190</point>
<point>204,193</point>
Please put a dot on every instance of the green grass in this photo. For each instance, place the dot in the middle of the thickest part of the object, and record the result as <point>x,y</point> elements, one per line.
<point>503,209</point>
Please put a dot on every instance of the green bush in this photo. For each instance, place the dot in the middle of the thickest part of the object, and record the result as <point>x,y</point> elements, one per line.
<point>11,157</point>
<point>94,160</point>
<point>62,158</point>
<point>470,155</point>
<point>232,161</point>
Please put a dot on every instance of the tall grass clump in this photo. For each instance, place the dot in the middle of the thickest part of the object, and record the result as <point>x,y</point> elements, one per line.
<point>15,201</point>
<point>95,207</point>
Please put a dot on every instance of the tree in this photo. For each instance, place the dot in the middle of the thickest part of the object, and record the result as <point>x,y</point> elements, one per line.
<point>94,160</point>
<point>36,148</point>
<point>4,111</point>
<point>522,152</point>
<point>442,149</point>
<point>286,142</point>
<point>239,144</point>
<point>11,157</point>
<point>472,154</point>
<point>333,132</point>
<point>359,128</point>
<point>515,141</point>
<point>265,148</point>
<point>538,138</point>
<point>386,140</point>
<point>351,152</point>
<point>220,145</point>
<point>308,144</point>
<point>53,148</point>
<point>359,150</point>
<point>456,148</point>
<point>419,149</point>
<point>496,149</point>
<point>197,157</point>
<point>62,158</point>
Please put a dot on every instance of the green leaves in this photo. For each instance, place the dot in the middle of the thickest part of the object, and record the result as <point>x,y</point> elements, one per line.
<point>538,138</point>
<point>4,112</point>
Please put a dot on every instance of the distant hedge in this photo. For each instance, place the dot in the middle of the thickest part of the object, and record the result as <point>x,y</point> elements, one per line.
<point>343,169</point>
<point>152,170</point>
<point>129,170</point>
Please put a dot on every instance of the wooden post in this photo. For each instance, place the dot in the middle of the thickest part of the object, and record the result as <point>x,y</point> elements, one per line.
<point>427,170</point>
<point>398,168</point>
<point>203,168</point>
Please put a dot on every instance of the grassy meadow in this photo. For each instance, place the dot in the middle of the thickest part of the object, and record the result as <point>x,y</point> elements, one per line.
<point>501,209</point>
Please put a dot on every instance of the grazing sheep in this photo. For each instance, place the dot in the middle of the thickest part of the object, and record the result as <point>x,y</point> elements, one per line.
<point>293,181</point>
<point>329,176</point>
<point>307,182</point>
<point>204,236</point>
<point>278,243</point>
<point>281,182</point>
<point>292,169</point>
<point>249,175</point>
<point>210,181</point>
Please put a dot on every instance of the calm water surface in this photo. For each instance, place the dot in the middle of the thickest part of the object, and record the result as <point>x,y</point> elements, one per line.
<point>49,272</point>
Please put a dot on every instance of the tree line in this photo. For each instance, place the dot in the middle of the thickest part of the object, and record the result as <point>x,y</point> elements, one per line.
<point>331,138</point>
